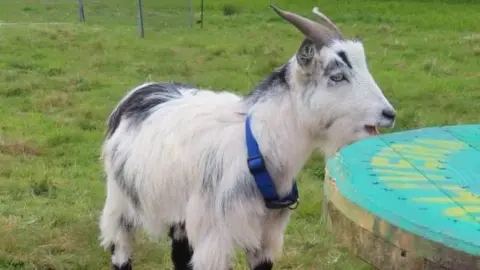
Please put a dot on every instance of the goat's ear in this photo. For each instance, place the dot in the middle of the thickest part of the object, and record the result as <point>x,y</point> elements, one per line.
<point>306,53</point>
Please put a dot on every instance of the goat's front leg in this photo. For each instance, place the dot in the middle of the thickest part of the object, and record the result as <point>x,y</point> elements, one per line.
<point>212,252</point>
<point>258,264</point>
<point>181,250</point>
<point>272,241</point>
<point>212,244</point>
<point>260,259</point>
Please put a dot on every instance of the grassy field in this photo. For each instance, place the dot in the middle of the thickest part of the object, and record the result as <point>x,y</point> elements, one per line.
<point>59,82</point>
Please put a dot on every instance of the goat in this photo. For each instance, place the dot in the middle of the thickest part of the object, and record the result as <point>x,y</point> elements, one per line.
<point>175,156</point>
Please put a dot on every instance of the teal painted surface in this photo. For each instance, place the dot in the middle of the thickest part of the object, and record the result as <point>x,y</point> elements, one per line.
<point>426,181</point>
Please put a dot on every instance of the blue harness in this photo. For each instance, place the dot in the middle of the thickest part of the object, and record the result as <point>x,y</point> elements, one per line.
<point>256,165</point>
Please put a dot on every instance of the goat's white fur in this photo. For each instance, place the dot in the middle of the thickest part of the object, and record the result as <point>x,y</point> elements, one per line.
<point>164,159</point>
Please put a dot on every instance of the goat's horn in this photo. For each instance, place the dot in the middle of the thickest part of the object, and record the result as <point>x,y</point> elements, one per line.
<point>311,29</point>
<point>328,21</point>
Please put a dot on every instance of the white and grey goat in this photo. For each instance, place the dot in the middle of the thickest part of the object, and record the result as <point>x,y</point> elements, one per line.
<point>176,156</point>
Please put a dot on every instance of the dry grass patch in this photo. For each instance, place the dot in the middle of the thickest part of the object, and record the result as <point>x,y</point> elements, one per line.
<point>19,147</point>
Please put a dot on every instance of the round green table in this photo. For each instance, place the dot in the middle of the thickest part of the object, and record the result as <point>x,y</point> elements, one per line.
<point>408,200</point>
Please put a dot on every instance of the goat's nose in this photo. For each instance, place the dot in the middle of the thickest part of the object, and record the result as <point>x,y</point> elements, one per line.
<point>389,114</point>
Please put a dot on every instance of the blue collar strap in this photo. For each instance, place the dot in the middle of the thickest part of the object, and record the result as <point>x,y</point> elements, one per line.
<point>264,182</point>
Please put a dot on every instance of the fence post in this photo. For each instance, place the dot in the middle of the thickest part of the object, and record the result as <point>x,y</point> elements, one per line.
<point>201,13</point>
<point>191,13</point>
<point>141,33</point>
<point>81,14</point>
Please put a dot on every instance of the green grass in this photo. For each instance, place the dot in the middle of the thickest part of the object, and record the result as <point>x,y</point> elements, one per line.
<point>58,83</point>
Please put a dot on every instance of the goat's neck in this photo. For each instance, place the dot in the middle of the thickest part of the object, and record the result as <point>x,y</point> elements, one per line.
<point>283,143</point>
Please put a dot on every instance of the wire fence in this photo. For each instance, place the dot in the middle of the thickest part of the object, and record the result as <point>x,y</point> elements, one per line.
<point>145,14</point>
<point>140,21</point>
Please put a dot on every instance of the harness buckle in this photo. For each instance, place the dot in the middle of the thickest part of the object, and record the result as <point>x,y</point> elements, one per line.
<point>280,204</point>
<point>256,164</point>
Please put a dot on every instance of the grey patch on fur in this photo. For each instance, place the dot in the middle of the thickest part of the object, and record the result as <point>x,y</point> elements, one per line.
<point>329,123</point>
<point>140,103</point>
<point>309,91</point>
<point>113,154</point>
<point>276,80</point>
<point>128,189</point>
<point>245,189</point>
<point>126,224</point>
<point>119,175</point>
<point>213,170</point>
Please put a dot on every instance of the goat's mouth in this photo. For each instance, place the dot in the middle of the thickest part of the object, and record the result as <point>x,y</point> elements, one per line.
<point>371,130</point>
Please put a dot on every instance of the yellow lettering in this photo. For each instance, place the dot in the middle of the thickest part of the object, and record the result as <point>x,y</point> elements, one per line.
<point>412,173</point>
<point>424,186</point>
<point>459,211</point>
<point>414,156</point>
<point>434,199</point>
<point>401,166</point>
<point>463,197</point>
<point>385,162</point>
<point>464,214</point>
<point>404,186</point>
<point>403,178</point>
<point>427,164</point>
<point>455,212</point>
<point>420,149</point>
<point>433,164</point>
<point>395,175</point>
<point>448,187</point>
<point>446,144</point>
<point>467,197</point>
<point>410,153</point>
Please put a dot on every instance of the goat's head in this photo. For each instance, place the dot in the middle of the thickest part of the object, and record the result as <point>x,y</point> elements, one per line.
<point>339,100</point>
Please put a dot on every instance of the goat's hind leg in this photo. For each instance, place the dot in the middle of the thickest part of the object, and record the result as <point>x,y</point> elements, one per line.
<point>181,249</point>
<point>117,229</point>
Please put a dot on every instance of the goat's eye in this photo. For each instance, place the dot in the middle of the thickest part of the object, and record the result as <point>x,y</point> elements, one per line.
<point>338,77</point>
